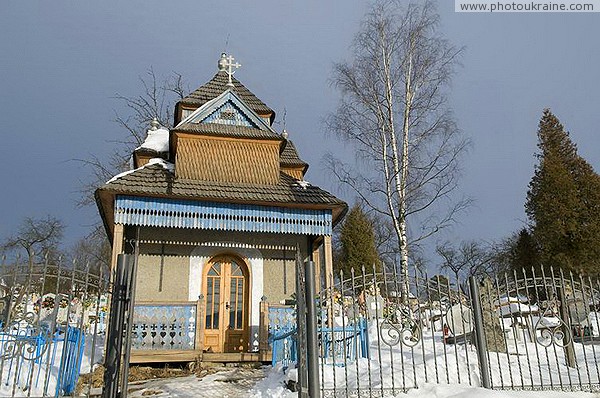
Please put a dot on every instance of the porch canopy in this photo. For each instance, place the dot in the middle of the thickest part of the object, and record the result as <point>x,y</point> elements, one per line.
<point>162,212</point>
<point>152,196</point>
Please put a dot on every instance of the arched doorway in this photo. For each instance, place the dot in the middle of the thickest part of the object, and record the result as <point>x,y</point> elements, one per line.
<point>225,288</point>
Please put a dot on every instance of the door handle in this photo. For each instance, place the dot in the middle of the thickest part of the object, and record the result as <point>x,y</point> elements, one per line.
<point>226,305</point>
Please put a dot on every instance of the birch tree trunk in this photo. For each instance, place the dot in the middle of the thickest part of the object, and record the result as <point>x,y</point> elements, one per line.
<point>393,110</point>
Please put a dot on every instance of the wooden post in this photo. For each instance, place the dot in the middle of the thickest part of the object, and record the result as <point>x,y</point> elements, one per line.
<point>117,244</point>
<point>328,261</point>
<point>200,316</point>
<point>317,260</point>
<point>263,330</point>
<point>117,248</point>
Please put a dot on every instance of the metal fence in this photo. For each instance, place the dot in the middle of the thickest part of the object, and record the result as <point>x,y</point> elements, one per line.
<point>51,327</point>
<point>380,334</point>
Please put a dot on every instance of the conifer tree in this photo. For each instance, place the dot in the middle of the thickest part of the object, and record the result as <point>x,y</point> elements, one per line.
<point>357,244</point>
<point>563,202</point>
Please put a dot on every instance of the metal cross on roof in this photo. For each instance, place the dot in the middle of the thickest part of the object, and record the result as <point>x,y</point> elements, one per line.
<point>226,64</point>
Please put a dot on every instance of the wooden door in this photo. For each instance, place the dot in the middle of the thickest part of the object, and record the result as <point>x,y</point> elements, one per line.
<point>226,294</point>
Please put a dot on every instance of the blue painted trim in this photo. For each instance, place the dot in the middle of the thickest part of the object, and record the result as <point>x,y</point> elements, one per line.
<point>171,213</point>
<point>201,114</point>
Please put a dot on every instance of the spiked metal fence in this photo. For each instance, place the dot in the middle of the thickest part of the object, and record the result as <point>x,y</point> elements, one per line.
<point>380,334</point>
<point>51,326</point>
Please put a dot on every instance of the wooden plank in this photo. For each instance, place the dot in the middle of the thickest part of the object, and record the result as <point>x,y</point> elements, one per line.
<point>147,356</point>
<point>316,257</point>
<point>166,303</point>
<point>263,330</point>
<point>235,357</point>
<point>328,261</point>
<point>200,316</point>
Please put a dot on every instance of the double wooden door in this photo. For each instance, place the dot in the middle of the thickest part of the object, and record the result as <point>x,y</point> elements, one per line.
<point>225,290</point>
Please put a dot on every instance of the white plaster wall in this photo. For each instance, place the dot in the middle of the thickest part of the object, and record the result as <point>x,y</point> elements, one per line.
<point>253,258</point>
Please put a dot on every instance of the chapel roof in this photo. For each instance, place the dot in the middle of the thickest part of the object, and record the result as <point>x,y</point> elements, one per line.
<point>156,180</point>
<point>289,156</point>
<point>217,85</point>
<point>223,130</point>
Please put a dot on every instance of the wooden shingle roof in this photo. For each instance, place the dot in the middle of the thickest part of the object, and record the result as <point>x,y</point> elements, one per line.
<point>217,85</point>
<point>289,156</point>
<point>223,130</point>
<point>155,180</point>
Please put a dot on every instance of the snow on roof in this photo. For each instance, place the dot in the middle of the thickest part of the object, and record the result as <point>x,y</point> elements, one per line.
<point>157,140</point>
<point>303,184</point>
<point>166,165</point>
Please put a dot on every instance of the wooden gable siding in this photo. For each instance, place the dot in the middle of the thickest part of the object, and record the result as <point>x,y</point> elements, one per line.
<point>294,172</point>
<point>227,160</point>
<point>140,160</point>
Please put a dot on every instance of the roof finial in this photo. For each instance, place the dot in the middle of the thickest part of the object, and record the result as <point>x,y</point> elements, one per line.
<point>227,65</point>
<point>284,132</point>
<point>222,62</point>
<point>154,124</point>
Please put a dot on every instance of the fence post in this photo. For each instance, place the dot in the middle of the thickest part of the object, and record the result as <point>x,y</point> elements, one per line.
<point>479,333</point>
<point>130,308</point>
<point>312,347</point>
<point>200,325</point>
<point>564,316</point>
<point>114,341</point>
<point>263,331</point>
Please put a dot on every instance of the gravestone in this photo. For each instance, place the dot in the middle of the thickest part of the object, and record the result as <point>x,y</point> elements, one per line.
<point>375,306</point>
<point>4,310</point>
<point>494,334</point>
<point>459,320</point>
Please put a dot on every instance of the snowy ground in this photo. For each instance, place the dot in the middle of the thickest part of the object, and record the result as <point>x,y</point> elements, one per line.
<point>248,384</point>
<point>38,376</point>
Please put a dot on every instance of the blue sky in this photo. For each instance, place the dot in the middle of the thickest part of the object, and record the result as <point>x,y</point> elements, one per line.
<point>62,63</point>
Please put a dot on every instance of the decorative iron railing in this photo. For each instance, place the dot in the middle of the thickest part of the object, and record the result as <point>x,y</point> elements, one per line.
<point>536,330</point>
<point>51,317</point>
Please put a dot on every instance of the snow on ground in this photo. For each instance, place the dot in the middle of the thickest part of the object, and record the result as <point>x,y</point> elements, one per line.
<point>19,376</point>
<point>453,390</point>
<point>226,384</point>
<point>525,363</point>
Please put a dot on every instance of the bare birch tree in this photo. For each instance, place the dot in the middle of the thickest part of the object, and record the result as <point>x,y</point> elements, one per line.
<point>38,237</point>
<point>394,111</point>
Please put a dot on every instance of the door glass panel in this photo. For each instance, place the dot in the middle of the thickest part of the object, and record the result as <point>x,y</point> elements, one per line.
<point>215,270</point>
<point>209,300</point>
<point>235,269</point>
<point>236,300</point>
<point>232,306</point>
<point>240,301</point>
<point>216,302</point>
<point>213,296</point>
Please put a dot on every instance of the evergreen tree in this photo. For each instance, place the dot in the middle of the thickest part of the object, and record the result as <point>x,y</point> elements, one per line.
<point>357,244</point>
<point>518,252</point>
<point>563,202</point>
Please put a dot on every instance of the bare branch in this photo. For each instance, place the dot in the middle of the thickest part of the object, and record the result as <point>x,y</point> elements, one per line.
<point>393,111</point>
